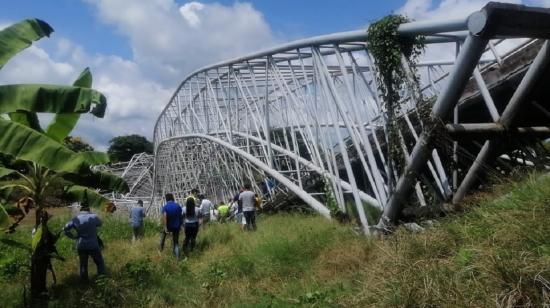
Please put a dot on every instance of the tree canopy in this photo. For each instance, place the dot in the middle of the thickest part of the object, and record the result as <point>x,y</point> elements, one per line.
<point>122,148</point>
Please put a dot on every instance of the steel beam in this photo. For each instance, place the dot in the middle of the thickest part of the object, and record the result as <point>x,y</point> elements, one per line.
<point>308,199</point>
<point>466,62</point>
<point>519,98</point>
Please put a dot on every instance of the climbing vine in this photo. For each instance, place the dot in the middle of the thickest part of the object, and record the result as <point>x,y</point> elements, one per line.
<point>395,57</point>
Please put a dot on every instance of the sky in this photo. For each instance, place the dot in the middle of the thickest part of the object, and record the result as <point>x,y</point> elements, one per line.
<point>140,50</point>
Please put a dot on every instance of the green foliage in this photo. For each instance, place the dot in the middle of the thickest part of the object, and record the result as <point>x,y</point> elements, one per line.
<point>19,36</point>
<point>122,148</point>
<point>76,144</point>
<point>140,270</point>
<point>387,47</point>
<point>495,252</point>
<point>52,99</point>
<point>63,123</point>
<point>314,298</point>
<point>46,160</point>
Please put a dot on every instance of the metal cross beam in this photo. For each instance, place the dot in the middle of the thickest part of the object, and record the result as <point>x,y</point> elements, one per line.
<point>307,119</point>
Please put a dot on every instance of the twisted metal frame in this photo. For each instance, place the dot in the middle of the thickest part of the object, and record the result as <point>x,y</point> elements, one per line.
<point>307,116</point>
<point>138,174</point>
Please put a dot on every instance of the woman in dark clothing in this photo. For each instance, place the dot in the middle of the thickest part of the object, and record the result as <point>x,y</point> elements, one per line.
<point>191,224</point>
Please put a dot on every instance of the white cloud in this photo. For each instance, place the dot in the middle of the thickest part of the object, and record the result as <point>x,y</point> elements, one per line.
<point>170,41</point>
<point>133,99</point>
<point>189,12</point>
<point>167,40</point>
<point>445,9</point>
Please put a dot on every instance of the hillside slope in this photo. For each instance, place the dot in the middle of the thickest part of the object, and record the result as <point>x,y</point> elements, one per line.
<point>497,253</point>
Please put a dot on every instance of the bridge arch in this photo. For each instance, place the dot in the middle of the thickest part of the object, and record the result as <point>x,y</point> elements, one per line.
<point>312,107</point>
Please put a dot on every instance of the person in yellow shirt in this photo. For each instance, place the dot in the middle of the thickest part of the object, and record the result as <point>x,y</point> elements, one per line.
<point>223,211</point>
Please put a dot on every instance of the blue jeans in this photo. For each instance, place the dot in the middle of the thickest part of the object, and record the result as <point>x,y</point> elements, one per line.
<point>98,260</point>
<point>175,238</point>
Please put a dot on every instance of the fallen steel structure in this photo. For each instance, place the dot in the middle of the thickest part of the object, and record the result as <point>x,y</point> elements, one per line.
<point>138,174</point>
<point>306,118</point>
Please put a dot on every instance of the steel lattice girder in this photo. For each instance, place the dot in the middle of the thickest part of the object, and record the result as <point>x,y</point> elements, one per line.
<point>138,173</point>
<point>310,111</point>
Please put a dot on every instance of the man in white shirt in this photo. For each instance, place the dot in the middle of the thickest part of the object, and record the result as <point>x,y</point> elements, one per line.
<point>248,199</point>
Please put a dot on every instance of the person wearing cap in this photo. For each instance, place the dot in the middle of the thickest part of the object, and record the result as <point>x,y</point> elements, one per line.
<point>87,241</point>
<point>137,214</point>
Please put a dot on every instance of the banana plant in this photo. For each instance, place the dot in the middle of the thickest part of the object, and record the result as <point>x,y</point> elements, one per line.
<point>47,170</point>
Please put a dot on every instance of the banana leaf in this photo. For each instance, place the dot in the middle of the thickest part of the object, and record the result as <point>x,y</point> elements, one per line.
<point>36,237</point>
<point>63,123</point>
<point>93,158</point>
<point>6,171</point>
<point>29,119</point>
<point>51,99</point>
<point>5,194</point>
<point>77,193</point>
<point>27,144</point>
<point>4,217</point>
<point>19,36</point>
<point>99,179</point>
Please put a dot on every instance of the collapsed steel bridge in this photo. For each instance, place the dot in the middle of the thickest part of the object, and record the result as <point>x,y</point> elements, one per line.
<point>306,118</point>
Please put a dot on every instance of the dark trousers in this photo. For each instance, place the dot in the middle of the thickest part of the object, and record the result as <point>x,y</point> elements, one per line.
<point>250,217</point>
<point>175,239</point>
<point>98,260</point>
<point>137,231</point>
<point>191,231</point>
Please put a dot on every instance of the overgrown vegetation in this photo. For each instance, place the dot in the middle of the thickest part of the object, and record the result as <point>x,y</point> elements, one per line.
<point>395,57</point>
<point>37,168</point>
<point>496,253</point>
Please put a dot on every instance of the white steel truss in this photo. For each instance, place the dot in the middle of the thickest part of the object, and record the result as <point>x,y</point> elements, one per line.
<point>306,118</point>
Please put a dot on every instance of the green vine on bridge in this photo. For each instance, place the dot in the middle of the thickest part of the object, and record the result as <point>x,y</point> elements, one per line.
<point>387,48</point>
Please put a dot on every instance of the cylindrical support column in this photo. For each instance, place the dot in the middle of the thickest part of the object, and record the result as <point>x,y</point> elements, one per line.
<point>267,123</point>
<point>537,68</point>
<point>466,62</point>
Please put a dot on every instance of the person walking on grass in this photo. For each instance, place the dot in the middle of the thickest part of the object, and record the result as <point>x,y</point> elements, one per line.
<point>171,219</point>
<point>206,208</point>
<point>87,241</point>
<point>191,214</point>
<point>137,214</point>
<point>248,199</point>
<point>239,214</point>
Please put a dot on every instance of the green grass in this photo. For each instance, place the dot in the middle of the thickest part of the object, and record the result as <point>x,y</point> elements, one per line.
<point>495,253</point>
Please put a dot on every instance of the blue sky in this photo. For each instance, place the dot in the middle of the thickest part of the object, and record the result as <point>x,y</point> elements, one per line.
<point>139,50</point>
<point>78,21</point>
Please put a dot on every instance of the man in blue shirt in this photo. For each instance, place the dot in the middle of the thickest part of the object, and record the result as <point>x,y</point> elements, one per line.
<point>172,220</point>
<point>136,220</point>
<point>86,224</point>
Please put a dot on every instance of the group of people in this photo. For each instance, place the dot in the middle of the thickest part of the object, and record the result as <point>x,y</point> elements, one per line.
<point>197,211</point>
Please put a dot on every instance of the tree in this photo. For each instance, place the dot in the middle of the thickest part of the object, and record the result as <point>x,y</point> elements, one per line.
<point>76,144</point>
<point>35,160</point>
<point>122,148</point>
